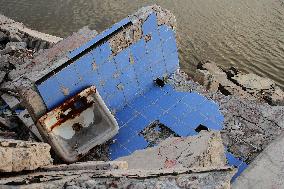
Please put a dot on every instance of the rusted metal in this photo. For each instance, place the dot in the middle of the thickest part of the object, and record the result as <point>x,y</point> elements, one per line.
<point>77,125</point>
<point>69,110</point>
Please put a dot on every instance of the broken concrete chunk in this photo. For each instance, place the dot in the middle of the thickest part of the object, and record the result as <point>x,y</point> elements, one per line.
<point>19,155</point>
<point>260,87</point>
<point>214,79</point>
<point>2,76</point>
<point>253,82</point>
<point>89,165</point>
<point>14,37</point>
<point>17,45</point>
<point>266,170</point>
<point>12,101</point>
<point>3,36</point>
<point>25,117</point>
<point>203,150</point>
<point>4,122</point>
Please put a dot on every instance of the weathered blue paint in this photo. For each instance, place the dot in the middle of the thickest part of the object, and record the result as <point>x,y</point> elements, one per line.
<point>126,84</point>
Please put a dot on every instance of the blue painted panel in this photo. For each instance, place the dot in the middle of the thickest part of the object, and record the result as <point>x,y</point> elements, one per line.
<point>166,33</point>
<point>138,49</point>
<point>124,134</point>
<point>138,123</point>
<point>126,83</point>
<point>150,24</point>
<point>117,150</point>
<point>136,143</point>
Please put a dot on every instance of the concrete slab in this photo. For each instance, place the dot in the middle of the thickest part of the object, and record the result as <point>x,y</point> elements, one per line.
<point>266,170</point>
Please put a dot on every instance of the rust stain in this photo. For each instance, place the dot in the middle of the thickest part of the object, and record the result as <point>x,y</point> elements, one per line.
<point>73,106</point>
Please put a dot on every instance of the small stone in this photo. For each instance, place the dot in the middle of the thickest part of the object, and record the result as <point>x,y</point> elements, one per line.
<point>15,37</point>
<point>17,45</point>
<point>2,76</point>
<point>3,36</point>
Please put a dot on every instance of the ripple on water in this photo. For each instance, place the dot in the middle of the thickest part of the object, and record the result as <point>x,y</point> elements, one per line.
<point>246,34</point>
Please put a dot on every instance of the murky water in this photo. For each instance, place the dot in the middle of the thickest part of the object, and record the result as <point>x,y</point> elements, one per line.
<point>248,34</point>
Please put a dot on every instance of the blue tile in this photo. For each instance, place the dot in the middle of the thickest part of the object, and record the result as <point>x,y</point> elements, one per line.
<point>129,75</point>
<point>166,33</point>
<point>116,101</point>
<point>84,65</point>
<point>181,129</point>
<point>154,43</point>
<point>207,108</point>
<point>150,24</point>
<point>233,161</point>
<point>124,134</point>
<point>136,143</point>
<point>122,59</point>
<point>141,65</point>
<point>125,114</point>
<point>131,91</point>
<point>168,120</point>
<point>138,49</point>
<point>96,55</point>
<point>152,113</point>
<point>155,56</point>
<point>145,80</point>
<point>241,168</point>
<point>166,102</point>
<point>178,111</point>
<point>193,100</point>
<point>117,151</point>
<point>110,86</point>
<point>172,62</point>
<point>107,70</point>
<point>168,89</point>
<point>50,93</point>
<point>153,96</point>
<point>140,103</point>
<point>193,119</point>
<point>138,123</point>
<point>169,46</point>
<point>105,51</point>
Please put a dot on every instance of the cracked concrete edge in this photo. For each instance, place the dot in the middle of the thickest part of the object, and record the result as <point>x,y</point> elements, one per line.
<point>203,150</point>
<point>266,170</point>
<point>121,171</point>
<point>60,178</point>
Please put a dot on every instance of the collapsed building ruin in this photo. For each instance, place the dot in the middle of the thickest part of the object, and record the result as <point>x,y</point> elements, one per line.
<point>132,65</point>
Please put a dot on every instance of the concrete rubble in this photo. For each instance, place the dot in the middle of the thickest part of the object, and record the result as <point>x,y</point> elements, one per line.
<point>233,82</point>
<point>201,165</point>
<point>266,170</point>
<point>252,107</point>
<point>19,155</point>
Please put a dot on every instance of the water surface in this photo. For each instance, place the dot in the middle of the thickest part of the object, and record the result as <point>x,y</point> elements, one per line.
<point>248,34</point>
